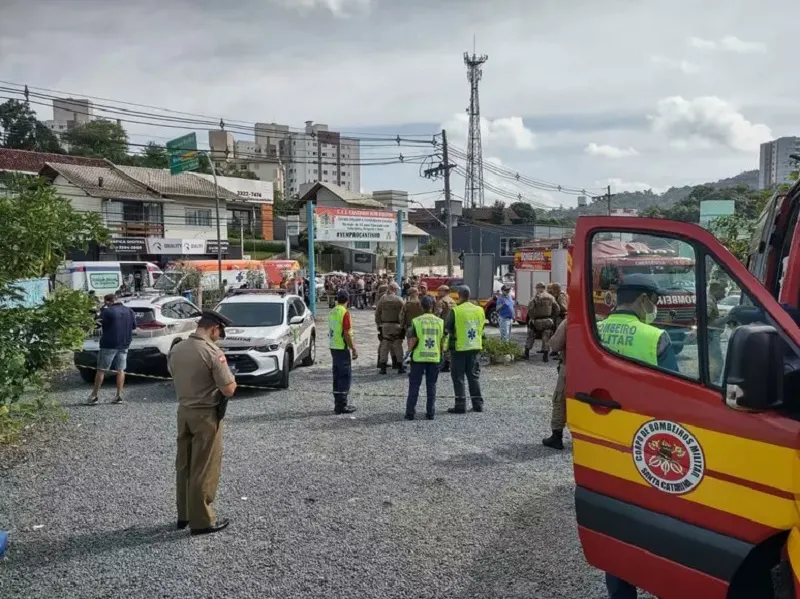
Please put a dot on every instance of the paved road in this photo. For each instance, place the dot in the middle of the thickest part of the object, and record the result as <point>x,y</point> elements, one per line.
<point>321,505</point>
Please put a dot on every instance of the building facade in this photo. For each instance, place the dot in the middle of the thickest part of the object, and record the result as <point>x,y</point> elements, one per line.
<point>775,164</point>
<point>69,113</point>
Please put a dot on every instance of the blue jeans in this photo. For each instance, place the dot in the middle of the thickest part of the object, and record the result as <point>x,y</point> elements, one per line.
<point>619,589</point>
<point>342,376</point>
<point>505,328</point>
<point>430,370</point>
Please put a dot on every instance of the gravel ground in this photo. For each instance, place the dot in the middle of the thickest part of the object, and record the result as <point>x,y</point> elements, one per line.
<point>321,505</point>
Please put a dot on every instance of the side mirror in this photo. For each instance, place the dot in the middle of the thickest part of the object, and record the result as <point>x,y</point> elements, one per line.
<point>754,368</point>
<point>297,320</point>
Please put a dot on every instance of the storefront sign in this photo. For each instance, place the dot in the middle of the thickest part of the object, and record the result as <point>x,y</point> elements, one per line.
<point>193,247</point>
<point>345,224</point>
<point>211,246</point>
<point>129,245</point>
<point>158,245</point>
<point>251,190</point>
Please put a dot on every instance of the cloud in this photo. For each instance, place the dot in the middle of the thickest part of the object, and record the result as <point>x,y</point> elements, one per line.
<point>707,120</point>
<point>619,186</point>
<point>729,43</point>
<point>684,66</point>
<point>511,190</point>
<point>607,151</point>
<point>338,8</point>
<point>506,132</point>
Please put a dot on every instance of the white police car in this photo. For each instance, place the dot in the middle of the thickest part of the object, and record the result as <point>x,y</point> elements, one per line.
<point>272,332</point>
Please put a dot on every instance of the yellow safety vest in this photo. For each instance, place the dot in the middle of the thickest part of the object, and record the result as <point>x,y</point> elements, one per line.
<point>628,336</point>
<point>336,327</point>
<point>429,330</point>
<point>469,326</point>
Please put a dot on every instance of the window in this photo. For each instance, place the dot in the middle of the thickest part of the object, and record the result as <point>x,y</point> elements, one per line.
<point>362,245</point>
<point>657,327</point>
<point>171,310</point>
<point>300,307</point>
<point>292,310</point>
<point>509,244</point>
<point>253,314</point>
<point>324,172</point>
<point>185,309</point>
<point>196,217</point>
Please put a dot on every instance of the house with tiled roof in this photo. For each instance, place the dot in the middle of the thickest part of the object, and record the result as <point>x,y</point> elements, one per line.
<point>30,163</point>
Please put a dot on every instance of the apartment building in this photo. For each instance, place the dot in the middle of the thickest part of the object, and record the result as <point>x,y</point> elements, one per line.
<point>68,113</point>
<point>775,162</point>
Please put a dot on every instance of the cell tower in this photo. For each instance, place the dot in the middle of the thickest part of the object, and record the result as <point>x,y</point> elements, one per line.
<point>473,192</point>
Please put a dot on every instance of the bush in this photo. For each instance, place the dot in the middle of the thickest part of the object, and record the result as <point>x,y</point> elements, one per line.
<point>261,245</point>
<point>494,347</point>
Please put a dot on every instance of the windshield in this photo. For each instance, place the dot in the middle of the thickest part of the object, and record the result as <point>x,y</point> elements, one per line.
<point>168,281</point>
<point>253,315</point>
<point>669,277</point>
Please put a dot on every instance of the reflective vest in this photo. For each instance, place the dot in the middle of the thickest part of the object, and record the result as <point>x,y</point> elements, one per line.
<point>628,336</point>
<point>469,326</point>
<point>429,330</point>
<point>336,328</point>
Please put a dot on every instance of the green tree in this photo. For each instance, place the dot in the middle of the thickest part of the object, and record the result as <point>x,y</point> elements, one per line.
<point>99,139</point>
<point>21,130</point>
<point>525,212</point>
<point>433,246</point>
<point>39,228</point>
<point>498,213</point>
<point>153,156</point>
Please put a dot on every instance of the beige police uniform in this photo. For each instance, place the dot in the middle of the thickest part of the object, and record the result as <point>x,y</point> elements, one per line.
<point>411,309</point>
<point>558,343</point>
<point>387,317</point>
<point>199,370</point>
<point>542,312</point>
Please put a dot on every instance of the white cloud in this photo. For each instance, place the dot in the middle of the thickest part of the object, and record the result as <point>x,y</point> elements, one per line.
<point>684,66</point>
<point>507,132</point>
<point>729,43</point>
<point>510,188</point>
<point>338,8</point>
<point>703,121</point>
<point>619,186</point>
<point>607,151</point>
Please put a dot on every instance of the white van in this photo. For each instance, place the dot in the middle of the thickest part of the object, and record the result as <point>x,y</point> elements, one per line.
<point>139,276</point>
<point>100,277</point>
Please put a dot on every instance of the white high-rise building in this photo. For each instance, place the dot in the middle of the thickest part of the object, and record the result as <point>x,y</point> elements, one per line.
<point>775,164</point>
<point>68,113</point>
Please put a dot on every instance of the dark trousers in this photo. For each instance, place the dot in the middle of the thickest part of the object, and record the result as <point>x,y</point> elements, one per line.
<point>342,376</point>
<point>466,363</point>
<point>619,589</point>
<point>431,373</point>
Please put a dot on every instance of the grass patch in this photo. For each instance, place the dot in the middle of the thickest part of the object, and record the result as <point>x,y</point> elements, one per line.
<point>18,417</point>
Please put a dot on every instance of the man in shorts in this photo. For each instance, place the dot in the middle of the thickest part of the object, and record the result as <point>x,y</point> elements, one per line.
<point>117,322</point>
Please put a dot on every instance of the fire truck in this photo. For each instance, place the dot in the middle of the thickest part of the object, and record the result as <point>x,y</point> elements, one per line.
<point>550,260</point>
<point>687,481</point>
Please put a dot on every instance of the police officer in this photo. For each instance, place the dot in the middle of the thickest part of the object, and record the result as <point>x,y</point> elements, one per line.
<point>444,303</point>
<point>340,341</point>
<point>425,346</point>
<point>542,312</point>
<point>411,309</point>
<point>381,291</point>
<point>558,416</point>
<point>628,331</point>
<point>203,382</point>
<point>387,318</point>
<point>561,299</point>
<point>464,326</point>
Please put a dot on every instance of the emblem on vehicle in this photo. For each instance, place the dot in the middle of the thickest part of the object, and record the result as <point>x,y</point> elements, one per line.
<point>668,457</point>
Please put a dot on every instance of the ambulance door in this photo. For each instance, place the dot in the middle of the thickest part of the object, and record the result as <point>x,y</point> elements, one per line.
<point>674,488</point>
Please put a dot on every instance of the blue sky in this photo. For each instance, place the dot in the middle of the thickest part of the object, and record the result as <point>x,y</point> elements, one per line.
<point>638,93</point>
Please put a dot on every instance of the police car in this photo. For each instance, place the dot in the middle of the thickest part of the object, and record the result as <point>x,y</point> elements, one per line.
<point>272,332</point>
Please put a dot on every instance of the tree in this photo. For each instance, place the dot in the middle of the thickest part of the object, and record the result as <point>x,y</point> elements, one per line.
<point>498,212</point>
<point>21,130</point>
<point>433,246</point>
<point>153,156</point>
<point>525,212</point>
<point>39,228</point>
<point>99,139</point>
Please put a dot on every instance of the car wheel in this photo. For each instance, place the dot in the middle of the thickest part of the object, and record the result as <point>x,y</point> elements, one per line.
<point>494,319</point>
<point>287,367</point>
<point>87,374</point>
<point>312,352</point>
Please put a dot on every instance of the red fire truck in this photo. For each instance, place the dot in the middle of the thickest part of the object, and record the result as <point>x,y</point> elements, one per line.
<point>540,260</point>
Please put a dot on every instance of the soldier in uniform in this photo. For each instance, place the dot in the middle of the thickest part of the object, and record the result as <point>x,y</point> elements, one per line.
<point>387,318</point>
<point>425,345</point>
<point>444,303</point>
<point>203,382</point>
<point>562,300</point>
<point>542,312</point>
<point>382,288</point>
<point>411,309</point>
<point>558,417</point>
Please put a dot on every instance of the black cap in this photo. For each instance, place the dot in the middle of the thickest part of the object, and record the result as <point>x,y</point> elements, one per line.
<point>427,302</point>
<point>216,318</point>
<point>641,283</point>
<point>342,295</point>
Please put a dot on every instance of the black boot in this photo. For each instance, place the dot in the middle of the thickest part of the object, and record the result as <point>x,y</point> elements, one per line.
<point>346,409</point>
<point>401,370</point>
<point>555,441</point>
<point>527,354</point>
<point>545,356</point>
<point>383,369</point>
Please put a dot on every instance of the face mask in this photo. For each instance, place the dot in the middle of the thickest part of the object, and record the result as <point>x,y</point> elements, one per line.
<point>650,317</point>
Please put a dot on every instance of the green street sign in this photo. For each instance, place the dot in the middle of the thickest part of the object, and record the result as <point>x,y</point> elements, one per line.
<point>183,154</point>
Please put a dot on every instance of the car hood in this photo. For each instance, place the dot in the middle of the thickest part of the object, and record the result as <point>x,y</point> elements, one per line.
<point>246,336</point>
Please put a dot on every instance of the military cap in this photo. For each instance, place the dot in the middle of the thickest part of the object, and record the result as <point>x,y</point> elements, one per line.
<point>641,283</point>
<point>444,288</point>
<point>216,319</point>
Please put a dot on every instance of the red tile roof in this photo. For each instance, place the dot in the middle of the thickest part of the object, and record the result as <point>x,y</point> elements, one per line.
<point>32,162</point>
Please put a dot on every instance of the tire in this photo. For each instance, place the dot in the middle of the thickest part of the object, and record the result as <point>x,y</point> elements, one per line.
<point>287,367</point>
<point>312,352</point>
<point>87,374</point>
<point>494,318</point>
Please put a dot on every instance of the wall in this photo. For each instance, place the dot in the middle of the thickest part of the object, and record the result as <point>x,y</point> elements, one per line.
<point>175,220</point>
<point>77,197</point>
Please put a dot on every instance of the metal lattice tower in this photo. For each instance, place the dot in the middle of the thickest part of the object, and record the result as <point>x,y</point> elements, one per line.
<point>473,192</point>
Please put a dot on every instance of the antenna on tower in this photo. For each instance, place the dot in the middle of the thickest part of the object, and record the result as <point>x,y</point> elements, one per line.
<point>473,192</point>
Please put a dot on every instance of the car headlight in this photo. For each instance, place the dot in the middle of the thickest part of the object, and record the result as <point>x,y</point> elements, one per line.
<point>267,347</point>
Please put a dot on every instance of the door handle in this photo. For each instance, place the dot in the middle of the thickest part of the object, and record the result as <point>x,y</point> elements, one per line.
<point>596,401</point>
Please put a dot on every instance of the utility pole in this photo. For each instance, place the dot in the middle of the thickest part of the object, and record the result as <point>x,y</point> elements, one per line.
<point>608,198</point>
<point>444,169</point>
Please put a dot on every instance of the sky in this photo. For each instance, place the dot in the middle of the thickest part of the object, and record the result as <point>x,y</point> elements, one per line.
<point>639,94</point>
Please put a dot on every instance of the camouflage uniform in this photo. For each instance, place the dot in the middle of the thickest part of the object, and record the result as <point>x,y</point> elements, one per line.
<point>387,318</point>
<point>558,418</point>
<point>542,312</point>
<point>442,310</point>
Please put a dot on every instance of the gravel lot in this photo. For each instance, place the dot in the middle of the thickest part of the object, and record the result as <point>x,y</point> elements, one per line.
<point>321,505</point>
